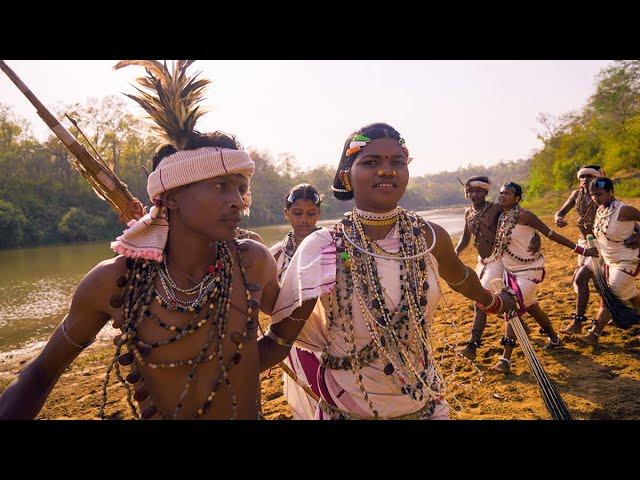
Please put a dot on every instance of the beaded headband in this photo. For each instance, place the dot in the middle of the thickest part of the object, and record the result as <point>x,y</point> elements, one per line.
<point>358,141</point>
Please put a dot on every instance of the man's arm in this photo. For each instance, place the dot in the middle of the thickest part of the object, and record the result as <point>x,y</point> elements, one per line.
<point>26,395</point>
<point>568,205</point>
<point>464,240</point>
<point>271,287</point>
<point>274,349</point>
<point>461,278</point>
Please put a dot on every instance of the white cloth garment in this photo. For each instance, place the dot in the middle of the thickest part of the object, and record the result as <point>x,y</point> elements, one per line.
<point>489,271</point>
<point>312,274</point>
<point>622,263</point>
<point>528,274</point>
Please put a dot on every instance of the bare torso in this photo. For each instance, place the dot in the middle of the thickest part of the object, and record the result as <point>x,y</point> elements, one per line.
<point>482,225</point>
<point>165,385</point>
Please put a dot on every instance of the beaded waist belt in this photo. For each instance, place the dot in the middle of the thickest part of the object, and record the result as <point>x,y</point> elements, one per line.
<point>335,413</point>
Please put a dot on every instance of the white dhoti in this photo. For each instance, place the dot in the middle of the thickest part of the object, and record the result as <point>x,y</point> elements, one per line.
<point>527,282</point>
<point>489,271</point>
<point>622,280</point>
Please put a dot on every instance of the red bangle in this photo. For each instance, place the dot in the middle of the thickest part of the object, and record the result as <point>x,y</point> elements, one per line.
<point>579,250</point>
<point>494,306</point>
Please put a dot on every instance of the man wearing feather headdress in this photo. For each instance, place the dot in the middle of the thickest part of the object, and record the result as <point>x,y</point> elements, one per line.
<point>184,291</point>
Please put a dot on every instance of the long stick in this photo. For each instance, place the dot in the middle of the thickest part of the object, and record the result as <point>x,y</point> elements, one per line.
<point>104,182</point>
<point>552,399</point>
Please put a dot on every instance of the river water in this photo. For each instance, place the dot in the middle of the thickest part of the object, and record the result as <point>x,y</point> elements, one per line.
<point>36,284</point>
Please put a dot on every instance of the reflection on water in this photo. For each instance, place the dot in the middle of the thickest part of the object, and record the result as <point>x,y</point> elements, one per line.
<point>36,284</point>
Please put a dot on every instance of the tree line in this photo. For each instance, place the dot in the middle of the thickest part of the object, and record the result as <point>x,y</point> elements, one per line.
<point>43,200</point>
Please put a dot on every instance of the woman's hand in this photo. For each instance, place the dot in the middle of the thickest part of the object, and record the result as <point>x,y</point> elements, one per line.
<point>508,302</point>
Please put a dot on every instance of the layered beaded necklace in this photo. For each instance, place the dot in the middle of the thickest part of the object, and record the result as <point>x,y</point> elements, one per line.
<point>399,337</point>
<point>475,217</point>
<point>139,292</point>
<point>603,218</point>
<point>585,209</point>
<point>507,222</point>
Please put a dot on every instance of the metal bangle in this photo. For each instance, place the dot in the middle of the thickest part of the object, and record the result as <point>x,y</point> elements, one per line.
<point>466,275</point>
<point>280,341</point>
<point>82,347</point>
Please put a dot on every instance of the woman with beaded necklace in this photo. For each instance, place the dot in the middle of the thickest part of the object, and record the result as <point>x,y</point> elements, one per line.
<point>375,274</point>
<point>183,290</point>
<point>613,229</point>
<point>302,210</point>
<point>524,264</point>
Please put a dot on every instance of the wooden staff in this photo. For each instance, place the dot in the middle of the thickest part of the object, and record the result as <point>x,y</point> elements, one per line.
<point>551,397</point>
<point>104,182</point>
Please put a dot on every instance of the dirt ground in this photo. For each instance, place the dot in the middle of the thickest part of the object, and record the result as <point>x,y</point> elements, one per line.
<point>595,383</point>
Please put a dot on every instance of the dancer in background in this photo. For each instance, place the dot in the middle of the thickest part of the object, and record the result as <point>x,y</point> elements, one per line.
<point>585,208</point>
<point>302,211</point>
<point>516,243</point>
<point>614,229</point>
<point>481,221</point>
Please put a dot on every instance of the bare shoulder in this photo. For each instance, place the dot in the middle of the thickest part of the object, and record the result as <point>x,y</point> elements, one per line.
<point>253,250</point>
<point>525,216</point>
<point>92,295</point>
<point>256,237</point>
<point>104,276</point>
<point>495,209</point>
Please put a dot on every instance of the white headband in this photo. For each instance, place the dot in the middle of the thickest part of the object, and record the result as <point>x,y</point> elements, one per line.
<point>589,171</point>
<point>478,184</point>
<point>147,237</point>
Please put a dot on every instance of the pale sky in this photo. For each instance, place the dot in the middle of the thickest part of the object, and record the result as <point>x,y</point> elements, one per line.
<point>451,113</point>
